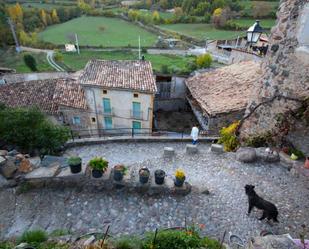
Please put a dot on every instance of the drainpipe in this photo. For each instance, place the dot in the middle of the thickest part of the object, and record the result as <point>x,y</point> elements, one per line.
<point>96,112</point>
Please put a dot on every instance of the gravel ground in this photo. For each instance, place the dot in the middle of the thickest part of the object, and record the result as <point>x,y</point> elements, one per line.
<point>223,210</point>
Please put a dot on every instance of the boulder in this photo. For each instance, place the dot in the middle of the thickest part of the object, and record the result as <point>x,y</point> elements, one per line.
<point>246,155</point>
<point>3,152</point>
<point>3,182</point>
<point>13,153</point>
<point>35,161</point>
<point>8,169</point>
<point>44,172</point>
<point>2,160</point>
<point>217,148</point>
<point>25,166</point>
<point>272,242</point>
<point>191,149</point>
<point>267,156</point>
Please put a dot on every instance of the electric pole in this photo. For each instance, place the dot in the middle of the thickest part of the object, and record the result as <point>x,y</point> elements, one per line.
<point>14,34</point>
<point>76,42</point>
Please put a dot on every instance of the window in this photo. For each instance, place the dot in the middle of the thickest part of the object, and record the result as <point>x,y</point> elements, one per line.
<point>135,95</point>
<point>136,112</point>
<point>104,91</point>
<point>107,106</point>
<point>136,125</point>
<point>76,120</point>
<point>93,119</point>
<point>108,122</point>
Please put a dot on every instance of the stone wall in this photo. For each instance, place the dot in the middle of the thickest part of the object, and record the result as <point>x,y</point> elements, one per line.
<point>284,79</point>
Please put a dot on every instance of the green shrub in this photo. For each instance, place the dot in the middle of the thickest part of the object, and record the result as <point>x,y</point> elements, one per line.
<point>59,232</point>
<point>98,163</point>
<point>261,140</point>
<point>74,160</point>
<point>58,57</point>
<point>211,243</point>
<point>297,153</point>
<point>30,62</point>
<point>128,243</point>
<point>34,236</point>
<point>6,245</point>
<point>204,61</point>
<point>173,239</point>
<point>29,129</point>
<point>228,137</point>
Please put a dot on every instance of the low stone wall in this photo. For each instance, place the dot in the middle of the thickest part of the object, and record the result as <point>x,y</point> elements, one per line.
<point>140,139</point>
<point>56,177</point>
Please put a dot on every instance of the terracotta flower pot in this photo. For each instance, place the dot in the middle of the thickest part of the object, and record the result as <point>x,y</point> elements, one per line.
<point>307,163</point>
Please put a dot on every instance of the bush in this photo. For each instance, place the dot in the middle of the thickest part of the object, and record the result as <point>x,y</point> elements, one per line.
<point>58,57</point>
<point>74,160</point>
<point>204,61</point>
<point>127,243</point>
<point>30,62</point>
<point>259,140</point>
<point>232,25</point>
<point>228,137</point>
<point>29,129</point>
<point>211,243</point>
<point>165,69</point>
<point>34,236</point>
<point>173,239</point>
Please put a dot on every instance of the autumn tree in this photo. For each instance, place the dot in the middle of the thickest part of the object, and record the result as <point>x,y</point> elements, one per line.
<point>163,4</point>
<point>203,61</point>
<point>178,12</point>
<point>156,17</point>
<point>43,17</point>
<point>16,13</point>
<point>148,3</point>
<point>221,16</point>
<point>54,16</point>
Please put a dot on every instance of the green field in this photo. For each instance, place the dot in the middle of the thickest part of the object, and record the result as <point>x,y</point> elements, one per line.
<point>99,31</point>
<point>175,63</point>
<point>201,31</point>
<point>265,23</point>
<point>11,59</point>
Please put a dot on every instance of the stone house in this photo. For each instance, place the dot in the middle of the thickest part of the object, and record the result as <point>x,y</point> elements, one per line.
<point>120,95</point>
<point>63,100</point>
<point>219,97</point>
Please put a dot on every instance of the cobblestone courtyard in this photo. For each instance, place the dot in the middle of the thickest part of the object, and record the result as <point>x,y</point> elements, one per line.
<point>224,209</point>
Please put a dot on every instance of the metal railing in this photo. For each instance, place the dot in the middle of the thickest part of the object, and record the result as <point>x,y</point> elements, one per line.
<point>131,132</point>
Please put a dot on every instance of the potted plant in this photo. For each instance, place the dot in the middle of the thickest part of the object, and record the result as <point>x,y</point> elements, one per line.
<point>144,174</point>
<point>99,166</point>
<point>180,177</point>
<point>119,171</point>
<point>159,176</point>
<point>75,164</point>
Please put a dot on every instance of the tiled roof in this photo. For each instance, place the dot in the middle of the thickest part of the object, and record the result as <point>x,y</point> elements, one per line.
<point>133,75</point>
<point>47,95</point>
<point>226,89</point>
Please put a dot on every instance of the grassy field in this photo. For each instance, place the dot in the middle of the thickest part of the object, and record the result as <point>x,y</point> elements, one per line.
<point>201,31</point>
<point>265,23</point>
<point>96,31</point>
<point>176,63</point>
<point>11,59</point>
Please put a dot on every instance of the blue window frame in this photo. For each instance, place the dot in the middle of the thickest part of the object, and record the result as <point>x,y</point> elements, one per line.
<point>76,120</point>
<point>137,110</point>
<point>107,106</point>
<point>108,123</point>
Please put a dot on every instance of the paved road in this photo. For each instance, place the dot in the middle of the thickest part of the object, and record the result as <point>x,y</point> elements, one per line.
<point>224,209</point>
<point>49,56</point>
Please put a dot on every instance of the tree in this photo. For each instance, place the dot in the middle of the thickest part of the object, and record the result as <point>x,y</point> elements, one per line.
<point>54,16</point>
<point>261,9</point>
<point>148,4</point>
<point>163,4</point>
<point>29,129</point>
<point>43,17</point>
<point>6,37</point>
<point>203,61</point>
<point>30,62</point>
<point>134,15</point>
<point>220,17</point>
<point>156,17</point>
<point>178,12</point>
<point>16,13</point>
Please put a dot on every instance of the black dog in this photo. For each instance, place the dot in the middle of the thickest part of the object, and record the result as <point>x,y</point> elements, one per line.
<point>269,210</point>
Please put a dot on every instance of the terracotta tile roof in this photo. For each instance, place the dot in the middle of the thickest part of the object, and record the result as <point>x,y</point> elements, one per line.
<point>47,95</point>
<point>226,89</point>
<point>133,75</point>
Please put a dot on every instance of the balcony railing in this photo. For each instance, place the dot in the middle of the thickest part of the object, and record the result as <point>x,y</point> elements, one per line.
<point>136,114</point>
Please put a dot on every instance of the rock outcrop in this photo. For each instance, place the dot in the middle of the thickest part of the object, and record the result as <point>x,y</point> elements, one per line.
<point>278,103</point>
